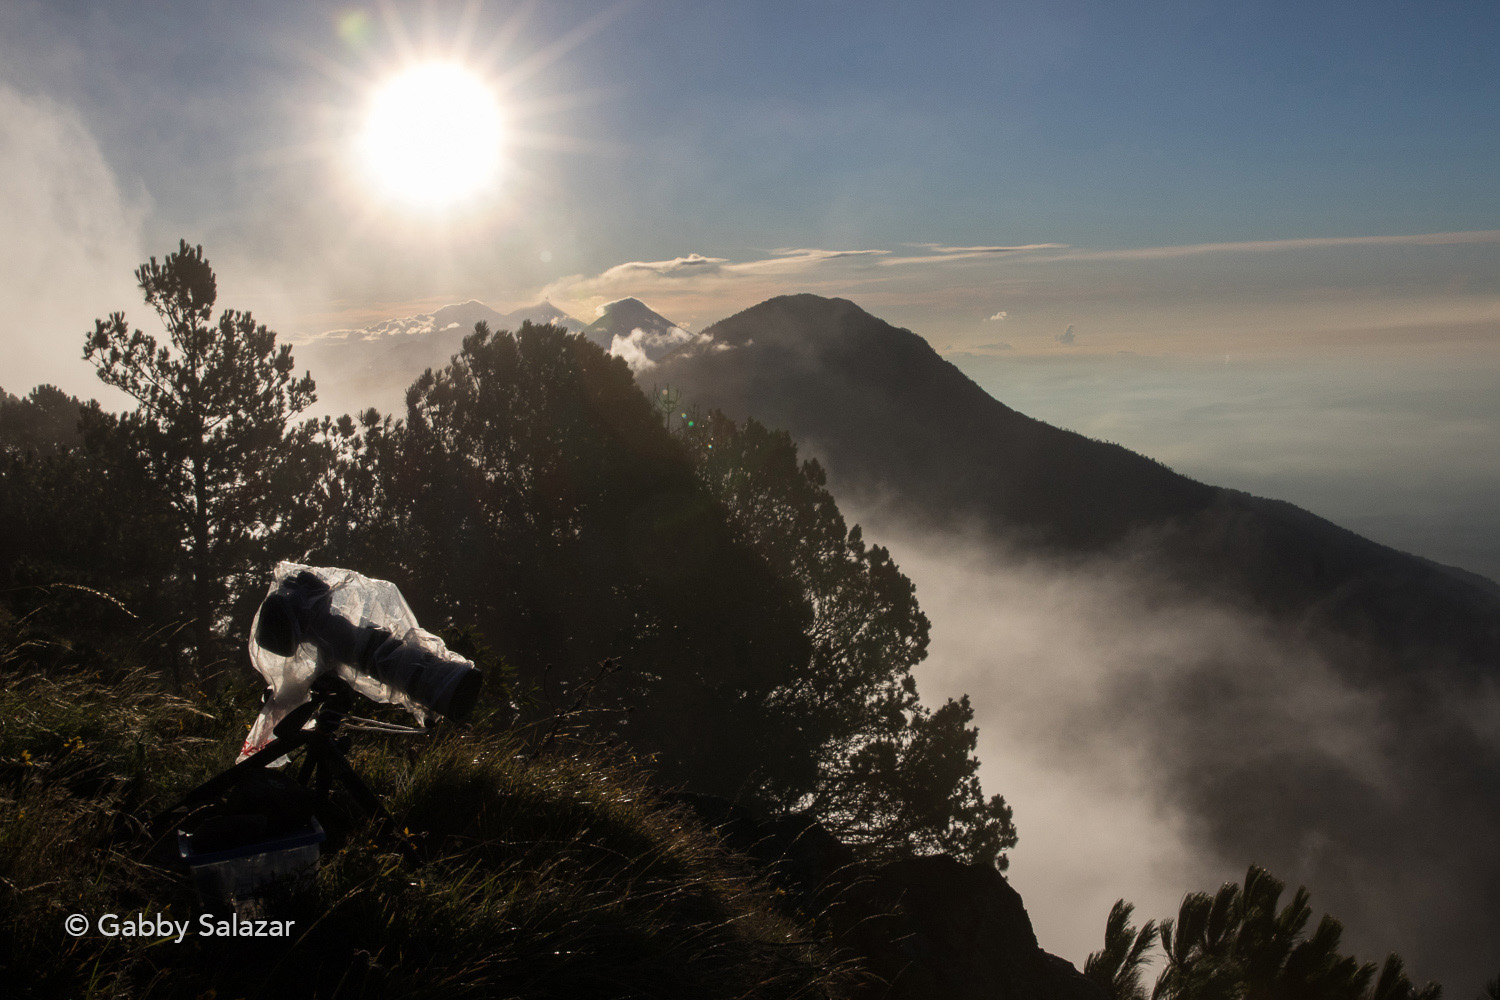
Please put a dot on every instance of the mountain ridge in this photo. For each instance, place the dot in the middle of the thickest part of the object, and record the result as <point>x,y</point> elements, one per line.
<point>1413,644</point>
<point>1168,493</point>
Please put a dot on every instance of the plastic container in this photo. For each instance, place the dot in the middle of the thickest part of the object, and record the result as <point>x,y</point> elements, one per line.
<point>239,879</point>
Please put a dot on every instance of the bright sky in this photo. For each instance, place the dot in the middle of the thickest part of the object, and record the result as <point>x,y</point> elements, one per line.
<point>1260,242</point>
<point>1048,192</point>
<point>1297,160</point>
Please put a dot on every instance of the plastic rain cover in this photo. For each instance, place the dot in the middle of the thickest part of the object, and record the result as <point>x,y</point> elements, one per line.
<point>363,601</point>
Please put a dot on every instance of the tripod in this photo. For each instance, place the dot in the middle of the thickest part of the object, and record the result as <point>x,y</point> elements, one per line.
<point>323,762</point>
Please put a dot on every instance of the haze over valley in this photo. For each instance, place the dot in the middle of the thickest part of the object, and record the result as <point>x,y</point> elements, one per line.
<point>1195,716</point>
<point>1158,347</point>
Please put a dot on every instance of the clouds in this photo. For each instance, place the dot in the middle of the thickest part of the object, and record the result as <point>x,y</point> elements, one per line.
<point>72,241</point>
<point>939,275</point>
<point>692,264</point>
<point>1154,740</point>
<point>1323,436</point>
<point>1281,295</point>
<point>401,326</point>
<point>1276,246</point>
<point>1071,670</point>
<point>698,278</point>
<point>695,281</point>
<point>629,275</point>
<point>1430,292</point>
<point>783,261</point>
<point>806,255</point>
<point>940,248</point>
<point>459,317</point>
<point>942,254</point>
<point>641,349</point>
<point>1001,346</point>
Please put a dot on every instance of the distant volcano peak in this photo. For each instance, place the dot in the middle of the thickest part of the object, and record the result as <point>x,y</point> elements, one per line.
<point>543,312</point>
<point>804,322</point>
<point>623,317</point>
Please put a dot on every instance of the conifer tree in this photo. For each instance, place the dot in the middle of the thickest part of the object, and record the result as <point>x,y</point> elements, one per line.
<point>211,428</point>
<point>1117,968</point>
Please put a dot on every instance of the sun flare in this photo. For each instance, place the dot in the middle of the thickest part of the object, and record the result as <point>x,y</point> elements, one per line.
<point>433,135</point>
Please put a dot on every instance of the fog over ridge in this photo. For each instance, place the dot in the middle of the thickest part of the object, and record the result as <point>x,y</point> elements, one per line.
<point>1154,741</point>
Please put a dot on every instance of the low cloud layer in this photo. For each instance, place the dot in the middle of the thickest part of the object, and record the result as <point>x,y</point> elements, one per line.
<point>637,277</point>
<point>780,270</point>
<point>1408,455</point>
<point>1399,293</point>
<point>1154,742</point>
<point>641,349</point>
<point>72,240</point>
<point>1276,246</point>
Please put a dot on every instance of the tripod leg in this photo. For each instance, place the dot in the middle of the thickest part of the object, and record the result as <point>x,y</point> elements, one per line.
<point>305,772</point>
<point>316,770</point>
<point>368,801</point>
<point>226,779</point>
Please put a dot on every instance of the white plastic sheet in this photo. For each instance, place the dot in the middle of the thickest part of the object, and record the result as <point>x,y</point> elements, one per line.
<point>363,601</point>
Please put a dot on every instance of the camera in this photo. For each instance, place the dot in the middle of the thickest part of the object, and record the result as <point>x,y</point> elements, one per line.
<point>317,621</point>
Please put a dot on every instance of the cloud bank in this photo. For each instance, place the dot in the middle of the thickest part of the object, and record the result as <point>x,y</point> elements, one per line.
<point>645,277</point>
<point>641,349</point>
<point>72,240</point>
<point>1154,742</point>
<point>1275,246</point>
<point>1394,291</point>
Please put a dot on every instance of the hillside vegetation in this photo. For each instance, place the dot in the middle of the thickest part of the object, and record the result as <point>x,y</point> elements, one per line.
<point>534,498</point>
<point>533,504</point>
<point>1357,645</point>
<point>702,767</point>
<point>553,875</point>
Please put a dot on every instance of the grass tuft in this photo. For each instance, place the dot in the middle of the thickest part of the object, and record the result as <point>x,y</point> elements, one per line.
<point>552,876</point>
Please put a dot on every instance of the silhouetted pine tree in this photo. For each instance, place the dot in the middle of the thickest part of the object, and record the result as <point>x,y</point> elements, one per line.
<point>44,422</point>
<point>1241,944</point>
<point>210,432</point>
<point>531,491</point>
<point>888,770</point>
<point>1117,968</point>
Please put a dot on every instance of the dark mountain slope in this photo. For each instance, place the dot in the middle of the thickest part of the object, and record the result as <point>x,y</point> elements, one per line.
<point>1354,745</point>
<point>890,413</point>
<point>896,424</point>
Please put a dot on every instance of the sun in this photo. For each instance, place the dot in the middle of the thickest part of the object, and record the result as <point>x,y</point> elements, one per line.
<point>433,135</point>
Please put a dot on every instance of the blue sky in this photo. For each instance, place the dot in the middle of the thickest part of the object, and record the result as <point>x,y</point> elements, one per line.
<point>1258,242</point>
<point>1287,188</point>
<point>678,128</point>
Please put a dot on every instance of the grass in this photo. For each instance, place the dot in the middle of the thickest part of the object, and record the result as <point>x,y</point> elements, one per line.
<point>552,876</point>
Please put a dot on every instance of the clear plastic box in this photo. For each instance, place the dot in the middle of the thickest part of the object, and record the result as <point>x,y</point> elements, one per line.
<point>239,879</point>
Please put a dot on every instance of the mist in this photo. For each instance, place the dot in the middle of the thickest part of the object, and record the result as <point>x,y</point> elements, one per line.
<point>1153,742</point>
<point>72,239</point>
<point>1404,452</point>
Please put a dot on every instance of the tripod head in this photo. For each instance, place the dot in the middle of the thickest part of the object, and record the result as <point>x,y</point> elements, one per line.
<point>328,702</point>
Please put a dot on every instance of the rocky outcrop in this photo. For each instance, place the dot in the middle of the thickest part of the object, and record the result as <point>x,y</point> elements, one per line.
<point>921,928</point>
